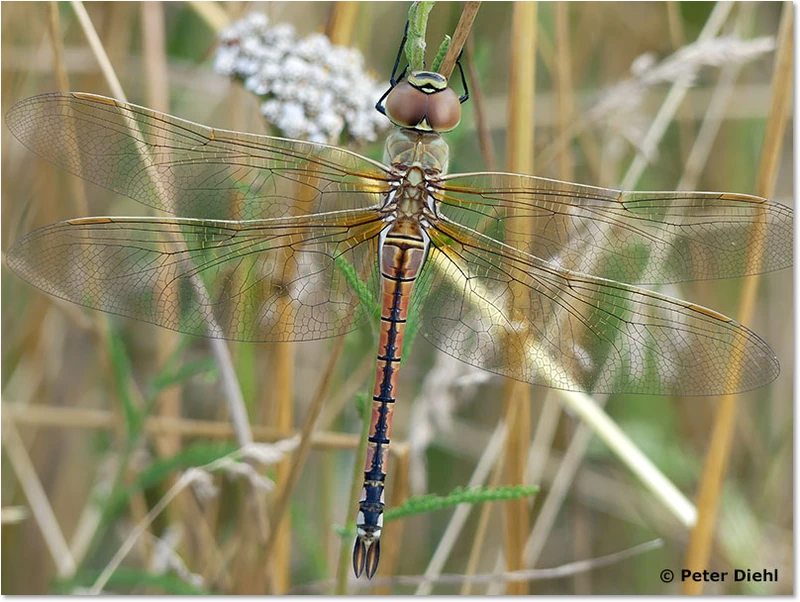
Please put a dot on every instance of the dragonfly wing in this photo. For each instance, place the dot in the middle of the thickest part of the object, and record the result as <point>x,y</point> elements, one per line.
<point>508,312</point>
<point>192,170</point>
<point>288,279</point>
<point>634,237</point>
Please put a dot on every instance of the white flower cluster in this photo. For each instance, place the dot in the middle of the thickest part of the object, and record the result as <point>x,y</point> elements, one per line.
<point>311,89</point>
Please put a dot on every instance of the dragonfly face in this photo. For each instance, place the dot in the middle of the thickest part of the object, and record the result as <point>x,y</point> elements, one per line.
<point>309,215</point>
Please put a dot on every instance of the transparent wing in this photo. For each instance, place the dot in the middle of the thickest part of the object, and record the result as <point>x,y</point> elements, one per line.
<point>192,170</point>
<point>287,279</point>
<point>634,237</point>
<point>508,312</point>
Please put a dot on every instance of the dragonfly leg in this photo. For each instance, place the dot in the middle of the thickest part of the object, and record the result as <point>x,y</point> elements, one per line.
<point>394,79</point>
<point>464,97</point>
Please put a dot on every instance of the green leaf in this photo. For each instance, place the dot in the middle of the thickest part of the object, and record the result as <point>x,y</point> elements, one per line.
<point>439,59</point>
<point>429,503</point>
<point>123,376</point>
<point>476,495</point>
<point>359,286</point>
<point>362,400</point>
<point>168,377</point>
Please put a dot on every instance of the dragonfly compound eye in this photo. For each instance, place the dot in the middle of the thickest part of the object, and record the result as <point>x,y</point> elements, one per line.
<point>406,105</point>
<point>444,110</point>
<point>424,102</point>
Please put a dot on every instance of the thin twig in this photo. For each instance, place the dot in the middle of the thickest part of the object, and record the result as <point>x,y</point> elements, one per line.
<point>301,454</point>
<point>476,96</point>
<point>482,529</point>
<point>701,149</point>
<point>37,500</point>
<point>63,417</point>
<point>187,479</point>
<point>460,35</point>
<point>97,49</point>
<point>456,524</point>
<point>564,86</point>
<point>546,517</point>
<point>393,533</point>
<point>559,572</point>
<point>671,103</point>
<point>11,515</point>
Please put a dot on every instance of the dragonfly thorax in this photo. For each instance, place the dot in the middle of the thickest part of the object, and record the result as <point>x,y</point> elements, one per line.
<point>405,148</point>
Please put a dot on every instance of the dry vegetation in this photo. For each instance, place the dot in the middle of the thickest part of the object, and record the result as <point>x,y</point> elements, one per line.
<point>102,417</point>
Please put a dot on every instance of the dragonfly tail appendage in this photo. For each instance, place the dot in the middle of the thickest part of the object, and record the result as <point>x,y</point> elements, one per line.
<point>366,555</point>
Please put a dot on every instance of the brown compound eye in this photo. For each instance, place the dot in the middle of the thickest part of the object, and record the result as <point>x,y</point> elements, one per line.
<point>406,105</point>
<point>444,110</point>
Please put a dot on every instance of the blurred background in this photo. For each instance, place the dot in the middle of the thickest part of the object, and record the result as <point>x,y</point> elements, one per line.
<point>101,416</point>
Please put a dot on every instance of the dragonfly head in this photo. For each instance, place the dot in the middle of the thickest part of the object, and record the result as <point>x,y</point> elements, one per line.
<point>423,101</point>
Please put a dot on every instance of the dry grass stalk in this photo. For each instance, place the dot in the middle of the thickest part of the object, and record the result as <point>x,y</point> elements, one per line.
<point>695,161</point>
<point>558,572</point>
<point>77,190</point>
<point>99,52</point>
<point>460,36</point>
<point>212,13</point>
<point>228,380</point>
<point>564,89</point>
<point>677,37</point>
<point>481,531</point>
<point>701,149</point>
<point>282,371</point>
<point>356,482</point>
<point>546,517</point>
<point>674,98</point>
<point>54,29</point>
<point>37,501</point>
<point>199,478</point>
<point>479,107</point>
<point>13,514</point>
<point>169,405</point>
<point>708,497</point>
<point>295,466</point>
<point>85,418</point>
<point>390,553</point>
<point>157,95</point>
<point>342,22</point>
<point>491,456</point>
<point>521,94</point>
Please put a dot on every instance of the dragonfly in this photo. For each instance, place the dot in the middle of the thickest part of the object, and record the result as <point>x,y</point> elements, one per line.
<point>275,239</point>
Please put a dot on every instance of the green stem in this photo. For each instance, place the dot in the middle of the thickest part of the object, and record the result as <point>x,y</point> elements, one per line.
<point>417,25</point>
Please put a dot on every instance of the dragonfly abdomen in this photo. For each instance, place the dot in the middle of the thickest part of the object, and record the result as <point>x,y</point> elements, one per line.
<point>403,250</point>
